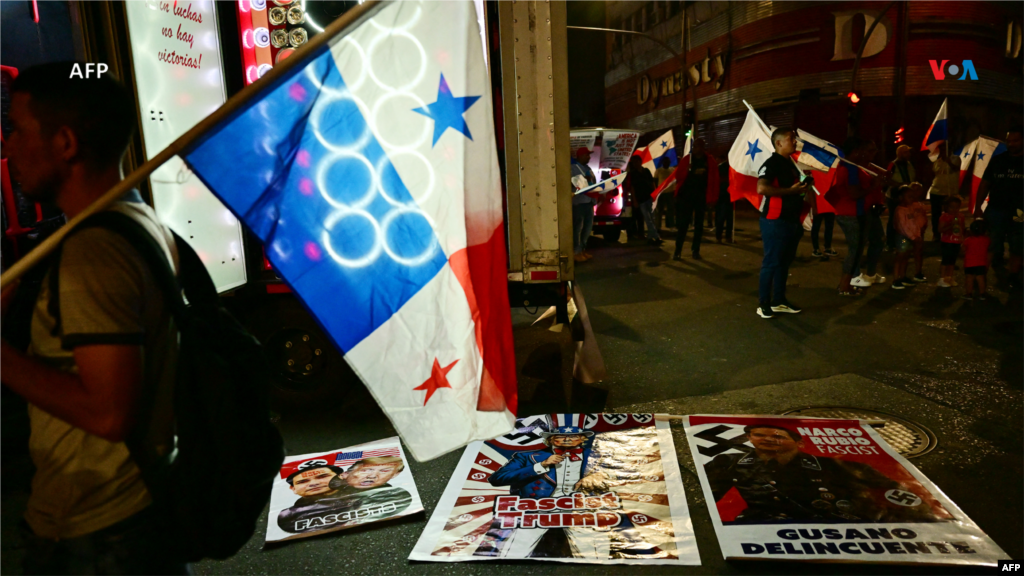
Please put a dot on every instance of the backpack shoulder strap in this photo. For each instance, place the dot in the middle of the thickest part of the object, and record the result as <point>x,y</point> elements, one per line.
<point>152,253</point>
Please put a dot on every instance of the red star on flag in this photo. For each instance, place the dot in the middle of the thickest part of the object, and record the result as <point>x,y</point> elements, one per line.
<point>438,379</point>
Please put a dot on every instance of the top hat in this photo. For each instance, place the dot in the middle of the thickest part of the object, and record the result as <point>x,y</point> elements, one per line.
<point>567,431</point>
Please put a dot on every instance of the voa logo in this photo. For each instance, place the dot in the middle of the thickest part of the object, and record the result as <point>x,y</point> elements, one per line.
<point>939,70</point>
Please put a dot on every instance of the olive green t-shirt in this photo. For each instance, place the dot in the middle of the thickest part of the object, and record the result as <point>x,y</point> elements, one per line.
<point>84,483</point>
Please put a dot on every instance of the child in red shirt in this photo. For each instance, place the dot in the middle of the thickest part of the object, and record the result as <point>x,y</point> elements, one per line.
<point>952,225</point>
<point>976,260</point>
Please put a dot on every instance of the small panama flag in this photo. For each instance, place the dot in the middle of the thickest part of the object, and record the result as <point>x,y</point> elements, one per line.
<point>369,170</point>
<point>937,133</point>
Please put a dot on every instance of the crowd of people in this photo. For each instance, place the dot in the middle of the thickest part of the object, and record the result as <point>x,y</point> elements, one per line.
<point>857,201</point>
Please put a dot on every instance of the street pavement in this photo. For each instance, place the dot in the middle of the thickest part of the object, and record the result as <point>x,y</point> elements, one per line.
<point>683,338</point>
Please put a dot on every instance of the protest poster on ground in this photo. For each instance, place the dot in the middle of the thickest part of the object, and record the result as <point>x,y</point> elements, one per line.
<point>590,488</point>
<point>325,492</point>
<point>616,148</point>
<point>815,489</point>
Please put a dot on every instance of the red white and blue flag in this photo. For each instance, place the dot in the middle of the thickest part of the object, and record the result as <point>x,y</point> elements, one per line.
<point>666,145</point>
<point>984,151</point>
<point>370,173</point>
<point>750,150</point>
<point>937,133</point>
<point>346,459</point>
<point>822,157</point>
<point>966,155</point>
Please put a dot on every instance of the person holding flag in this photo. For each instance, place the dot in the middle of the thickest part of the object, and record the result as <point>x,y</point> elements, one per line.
<point>643,185</point>
<point>1002,183</point>
<point>582,206</point>
<point>944,185</point>
<point>781,188</point>
<point>696,179</point>
<point>852,195</point>
<point>902,173</point>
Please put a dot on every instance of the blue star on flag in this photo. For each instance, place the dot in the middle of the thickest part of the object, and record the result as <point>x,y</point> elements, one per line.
<point>664,144</point>
<point>752,149</point>
<point>447,111</point>
<point>981,155</point>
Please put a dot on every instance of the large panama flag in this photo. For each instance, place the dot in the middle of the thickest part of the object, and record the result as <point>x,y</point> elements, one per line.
<point>369,171</point>
<point>750,150</point>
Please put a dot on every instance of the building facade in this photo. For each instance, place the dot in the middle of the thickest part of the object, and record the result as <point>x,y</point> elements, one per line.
<point>794,62</point>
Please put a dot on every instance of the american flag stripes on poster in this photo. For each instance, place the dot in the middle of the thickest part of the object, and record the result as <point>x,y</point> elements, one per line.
<point>589,488</point>
<point>325,492</point>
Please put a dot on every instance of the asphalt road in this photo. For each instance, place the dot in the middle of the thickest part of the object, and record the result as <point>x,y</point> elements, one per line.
<point>683,337</point>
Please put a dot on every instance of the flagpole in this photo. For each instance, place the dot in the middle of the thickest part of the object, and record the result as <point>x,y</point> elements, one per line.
<point>769,132</point>
<point>233,104</point>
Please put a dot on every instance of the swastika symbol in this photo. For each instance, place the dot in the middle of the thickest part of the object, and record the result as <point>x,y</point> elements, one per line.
<point>465,518</point>
<point>478,499</point>
<point>615,418</point>
<point>902,498</point>
<point>645,498</point>
<point>639,518</point>
<point>478,476</point>
<point>589,420</point>
<point>721,443</point>
<point>642,418</point>
<point>485,462</point>
<point>312,464</point>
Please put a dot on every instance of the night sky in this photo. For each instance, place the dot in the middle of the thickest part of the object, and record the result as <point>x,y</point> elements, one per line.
<point>586,64</point>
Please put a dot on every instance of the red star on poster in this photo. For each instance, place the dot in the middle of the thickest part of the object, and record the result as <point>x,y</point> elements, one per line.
<point>438,379</point>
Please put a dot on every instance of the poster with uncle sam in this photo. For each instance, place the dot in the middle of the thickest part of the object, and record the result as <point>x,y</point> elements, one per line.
<point>816,489</point>
<point>587,488</point>
<point>329,491</point>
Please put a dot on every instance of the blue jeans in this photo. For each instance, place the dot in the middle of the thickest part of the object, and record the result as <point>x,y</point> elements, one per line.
<point>780,238</point>
<point>582,223</point>
<point>876,241</point>
<point>646,210</point>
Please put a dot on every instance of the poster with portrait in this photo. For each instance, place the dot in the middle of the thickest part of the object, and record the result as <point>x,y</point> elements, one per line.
<point>818,489</point>
<point>589,488</point>
<point>325,492</point>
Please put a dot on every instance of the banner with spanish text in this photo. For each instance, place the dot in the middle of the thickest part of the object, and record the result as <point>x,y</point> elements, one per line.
<point>818,489</point>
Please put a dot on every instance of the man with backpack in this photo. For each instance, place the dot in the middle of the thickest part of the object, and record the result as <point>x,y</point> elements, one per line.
<point>101,336</point>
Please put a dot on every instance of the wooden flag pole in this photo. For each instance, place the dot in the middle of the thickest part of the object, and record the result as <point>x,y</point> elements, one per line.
<point>233,104</point>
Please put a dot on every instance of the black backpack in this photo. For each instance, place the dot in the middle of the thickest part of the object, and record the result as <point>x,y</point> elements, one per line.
<point>221,411</point>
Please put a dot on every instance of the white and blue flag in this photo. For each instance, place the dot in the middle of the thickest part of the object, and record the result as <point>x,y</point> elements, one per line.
<point>370,173</point>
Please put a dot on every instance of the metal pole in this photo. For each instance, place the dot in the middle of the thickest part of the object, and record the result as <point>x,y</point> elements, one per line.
<point>680,57</point>
<point>864,42</point>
